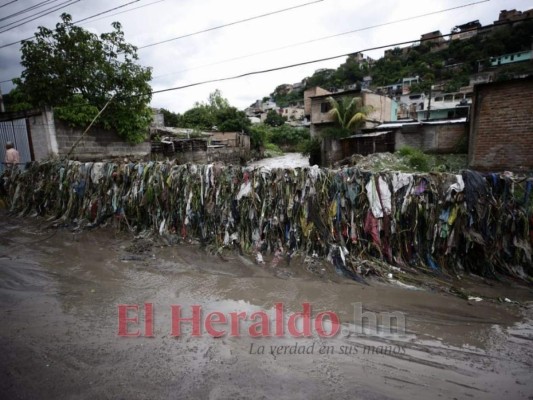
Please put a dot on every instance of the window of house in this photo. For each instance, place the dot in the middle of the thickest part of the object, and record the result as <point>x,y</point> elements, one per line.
<point>325,107</point>
<point>448,97</point>
<point>469,96</point>
<point>438,98</point>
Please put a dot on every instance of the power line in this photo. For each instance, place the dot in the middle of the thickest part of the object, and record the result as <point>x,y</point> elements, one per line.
<point>37,15</point>
<point>132,9</point>
<point>105,12</point>
<point>282,67</point>
<point>25,10</point>
<point>58,7</point>
<point>228,24</point>
<point>3,5</point>
<point>324,38</point>
<point>309,62</point>
<point>302,63</point>
<point>76,22</point>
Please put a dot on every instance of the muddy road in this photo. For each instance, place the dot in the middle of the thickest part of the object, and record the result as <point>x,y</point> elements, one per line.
<point>60,293</point>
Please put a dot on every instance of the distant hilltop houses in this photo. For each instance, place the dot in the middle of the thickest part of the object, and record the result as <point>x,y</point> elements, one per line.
<point>447,107</point>
<point>409,101</point>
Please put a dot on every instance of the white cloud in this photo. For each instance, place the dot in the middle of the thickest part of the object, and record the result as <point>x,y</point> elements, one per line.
<point>199,57</point>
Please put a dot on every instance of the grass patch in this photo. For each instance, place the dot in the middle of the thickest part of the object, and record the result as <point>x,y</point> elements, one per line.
<point>272,150</point>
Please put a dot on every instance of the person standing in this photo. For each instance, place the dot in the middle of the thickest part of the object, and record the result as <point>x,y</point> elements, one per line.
<point>12,156</point>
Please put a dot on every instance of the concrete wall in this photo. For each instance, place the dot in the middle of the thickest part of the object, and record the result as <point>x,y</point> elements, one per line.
<point>382,106</point>
<point>42,130</point>
<point>231,139</point>
<point>501,131</point>
<point>432,138</point>
<point>330,151</point>
<point>97,144</point>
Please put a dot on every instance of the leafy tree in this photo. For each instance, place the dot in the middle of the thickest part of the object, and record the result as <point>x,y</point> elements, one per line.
<point>322,78</point>
<point>284,95</point>
<point>348,73</point>
<point>259,136</point>
<point>286,135</point>
<point>216,102</point>
<point>349,113</point>
<point>199,117</point>
<point>218,113</point>
<point>16,101</point>
<point>274,119</point>
<point>78,73</point>
<point>230,119</point>
<point>172,119</point>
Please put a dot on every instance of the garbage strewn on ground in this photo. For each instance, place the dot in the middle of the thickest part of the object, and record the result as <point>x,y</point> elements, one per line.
<point>438,223</point>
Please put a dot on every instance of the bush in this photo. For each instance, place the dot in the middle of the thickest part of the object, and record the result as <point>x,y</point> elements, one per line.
<point>311,148</point>
<point>272,150</point>
<point>420,162</point>
<point>416,159</point>
<point>288,136</point>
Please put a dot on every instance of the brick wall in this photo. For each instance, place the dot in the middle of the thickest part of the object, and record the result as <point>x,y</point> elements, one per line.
<point>501,132</point>
<point>97,144</point>
<point>448,137</point>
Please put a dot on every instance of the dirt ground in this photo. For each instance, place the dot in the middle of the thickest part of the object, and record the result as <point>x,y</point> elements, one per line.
<point>59,297</point>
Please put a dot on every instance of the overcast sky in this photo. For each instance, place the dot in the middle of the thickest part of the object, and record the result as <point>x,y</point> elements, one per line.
<point>263,43</point>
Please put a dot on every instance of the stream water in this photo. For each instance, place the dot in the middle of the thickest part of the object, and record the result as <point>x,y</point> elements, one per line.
<point>287,160</point>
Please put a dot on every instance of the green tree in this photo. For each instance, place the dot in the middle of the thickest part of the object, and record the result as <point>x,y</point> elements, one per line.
<point>230,119</point>
<point>217,112</point>
<point>16,101</point>
<point>286,135</point>
<point>78,73</point>
<point>323,78</point>
<point>349,113</point>
<point>216,102</point>
<point>259,136</point>
<point>349,72</point>
<point>199,117</point>
<point>274,119</point>
<point>172,119</point>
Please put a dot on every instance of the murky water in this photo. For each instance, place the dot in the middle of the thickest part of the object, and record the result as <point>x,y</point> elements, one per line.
<point>288,160</point>
<point>59,298</point>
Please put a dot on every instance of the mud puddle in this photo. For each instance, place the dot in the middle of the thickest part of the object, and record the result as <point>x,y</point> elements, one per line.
<point>60,293</point>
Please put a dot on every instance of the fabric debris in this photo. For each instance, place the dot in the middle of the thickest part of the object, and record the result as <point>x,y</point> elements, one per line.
<point>441,223</point>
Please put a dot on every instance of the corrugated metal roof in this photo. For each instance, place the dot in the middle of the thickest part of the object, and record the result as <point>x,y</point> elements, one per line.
<point>367,135</point>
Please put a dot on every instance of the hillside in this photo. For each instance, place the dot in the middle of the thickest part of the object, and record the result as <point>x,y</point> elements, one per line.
<point>447,62</point>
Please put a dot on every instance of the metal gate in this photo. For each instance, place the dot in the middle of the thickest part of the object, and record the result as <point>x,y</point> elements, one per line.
<point>15,131</point>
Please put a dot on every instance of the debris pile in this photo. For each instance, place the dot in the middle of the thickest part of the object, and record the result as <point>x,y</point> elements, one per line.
<point>442,223</point>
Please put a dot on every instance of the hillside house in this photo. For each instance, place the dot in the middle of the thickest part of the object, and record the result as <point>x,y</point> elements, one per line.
<point>465,31</point>
<point>319,108</point>
<point>383,109</point>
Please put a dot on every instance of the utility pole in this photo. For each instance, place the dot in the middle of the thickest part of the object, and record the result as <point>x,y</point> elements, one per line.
<point>429,103</point>
<point>2,108</point>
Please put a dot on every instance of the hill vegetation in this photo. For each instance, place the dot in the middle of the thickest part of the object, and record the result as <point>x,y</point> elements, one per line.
<point>451,66</point>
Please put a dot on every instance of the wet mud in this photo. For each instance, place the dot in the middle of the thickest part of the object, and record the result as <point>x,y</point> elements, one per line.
<point>59,297</point>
